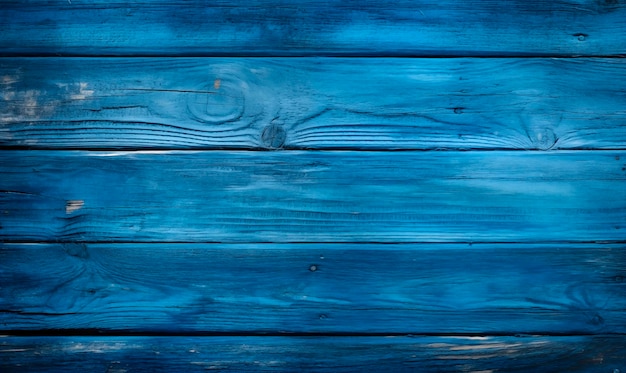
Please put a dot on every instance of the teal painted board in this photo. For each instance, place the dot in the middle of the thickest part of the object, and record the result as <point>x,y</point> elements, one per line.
<point>305,27</point>
<point>501,289</point>
<point>313,103</point>
<point>312,196</point>
<point>599,354</point>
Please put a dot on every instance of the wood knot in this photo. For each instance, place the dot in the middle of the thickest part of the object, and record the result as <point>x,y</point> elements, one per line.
<point>273,136</point>
<point>221,101</point>
<point>78,250</point>
<point>597,320</point>
<point>545,140</point>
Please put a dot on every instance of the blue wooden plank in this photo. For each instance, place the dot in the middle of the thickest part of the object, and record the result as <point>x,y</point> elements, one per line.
<point>300,196</point>
<point>313,103</point>
<point>313,288</point>
<point>305,27</point>
<point>291,354</point>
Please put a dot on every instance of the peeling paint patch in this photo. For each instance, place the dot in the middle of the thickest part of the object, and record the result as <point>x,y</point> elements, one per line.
<point>30,103</point>
<point>9,79</point>
<point>467,357</point>
<point>485,346</point>
<point>100,347</point>
<point>83,92</point>
<point>73,205</point>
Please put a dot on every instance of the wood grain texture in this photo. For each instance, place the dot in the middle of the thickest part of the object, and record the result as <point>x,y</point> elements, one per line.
<point>305,27</point>
<point>308,196</point>
<point>361,354</point>
<point>314,288</point>
<point>313,103</point>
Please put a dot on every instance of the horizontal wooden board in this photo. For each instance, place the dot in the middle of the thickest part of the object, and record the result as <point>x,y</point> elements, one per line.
<point>362,354</point>
<point>309,196</point>
<point>306,27</point>
<point>314,288</point>
<point>313,103</point>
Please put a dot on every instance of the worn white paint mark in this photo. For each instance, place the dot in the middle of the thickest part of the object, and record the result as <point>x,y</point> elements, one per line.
<point>74,205</point>
<point>9,79</point>
<point>100,347</point>
<point>485,346</point>
<point>467,357</point>
<point>8,95</point>
<point>83,92</point>
<point>270,363</point>
<point>439,345</point>
<point>29,102</point>
<point>15,350</point>
<point>472,338</point>
<point>481,371</point>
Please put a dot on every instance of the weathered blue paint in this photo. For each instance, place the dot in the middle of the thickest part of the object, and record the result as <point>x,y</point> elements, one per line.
<point>308,196</point>
<point>313,103</point>
<point>599,354</point>
<point>502,289</point>
<point>306,27</point>
<point>249,260</point>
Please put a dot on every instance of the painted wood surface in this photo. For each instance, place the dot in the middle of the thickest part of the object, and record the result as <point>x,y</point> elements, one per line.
<point>313,103</point>
<point>308,196</point>
<point>600,354</point>
<point>500,289</point>
<point>144,228</point>
<point>304,27</point>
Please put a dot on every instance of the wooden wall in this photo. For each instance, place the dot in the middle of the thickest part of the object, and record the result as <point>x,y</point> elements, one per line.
<point>313,186</point>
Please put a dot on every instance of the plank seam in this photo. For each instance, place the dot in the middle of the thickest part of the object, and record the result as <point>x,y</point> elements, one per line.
<point>129,333</point>
<point>311,55</point>
<point>469,243</point>
<point>307,149</point>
